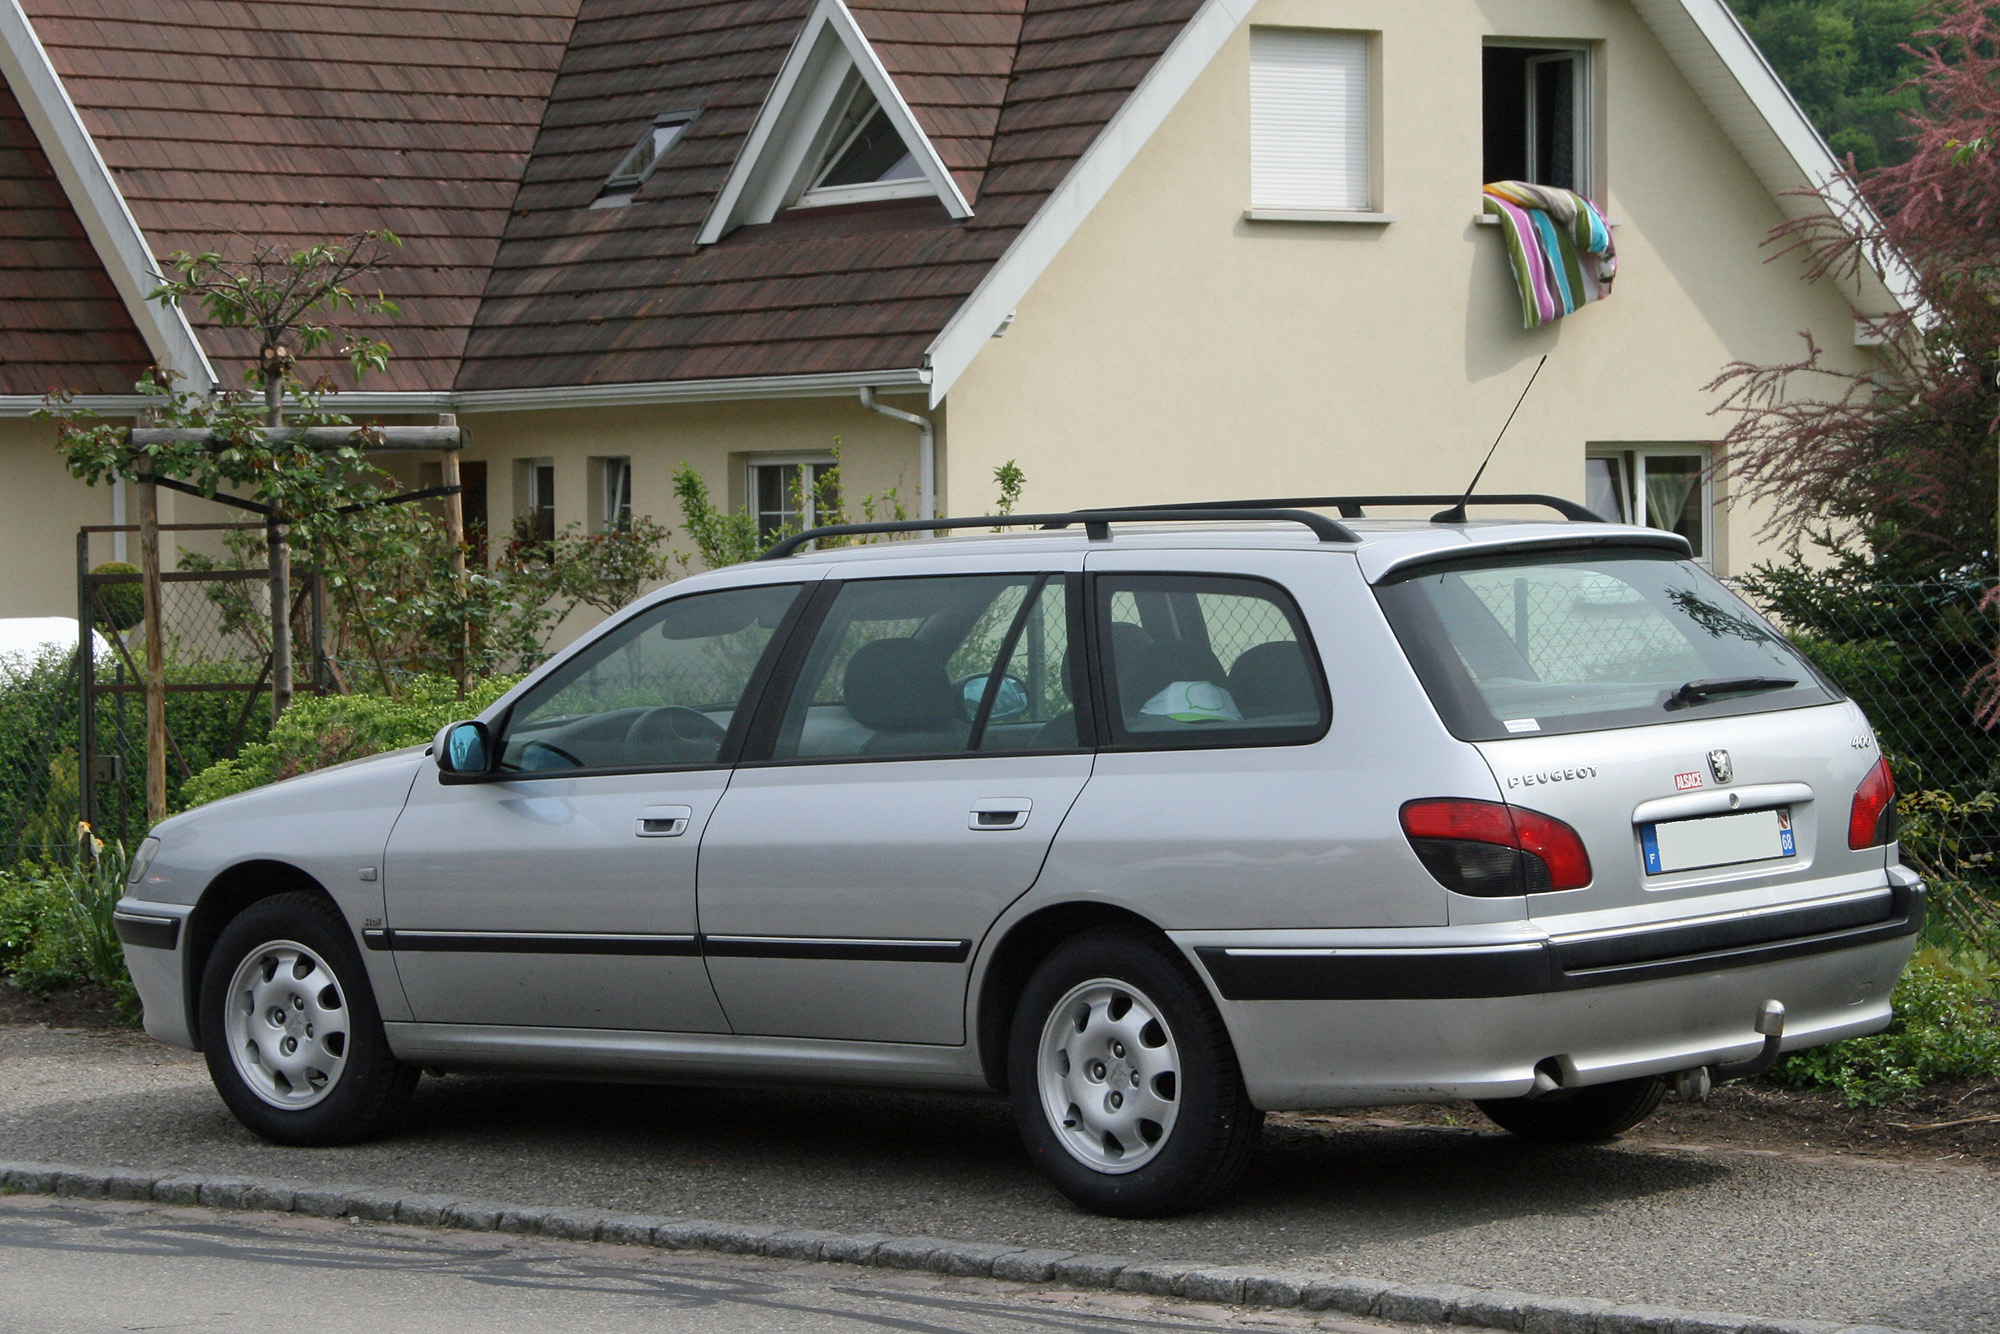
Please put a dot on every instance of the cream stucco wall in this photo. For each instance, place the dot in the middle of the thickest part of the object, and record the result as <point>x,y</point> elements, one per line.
<point>41,508</point>
<point>877,455</point>
<point>1176,351</point>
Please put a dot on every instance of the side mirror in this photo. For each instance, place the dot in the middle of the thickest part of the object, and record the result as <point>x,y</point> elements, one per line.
<point>1009,701</point>
<point>464,752</point>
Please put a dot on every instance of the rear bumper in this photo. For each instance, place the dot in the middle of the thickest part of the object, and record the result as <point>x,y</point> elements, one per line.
<point>1353,1024</point>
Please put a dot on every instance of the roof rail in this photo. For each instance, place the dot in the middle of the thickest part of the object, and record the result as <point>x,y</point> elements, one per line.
<point>1351,507</point>
<point>1096,523</point>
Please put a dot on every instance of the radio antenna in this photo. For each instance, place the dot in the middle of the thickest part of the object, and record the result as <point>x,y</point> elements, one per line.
<point>1456,514</point>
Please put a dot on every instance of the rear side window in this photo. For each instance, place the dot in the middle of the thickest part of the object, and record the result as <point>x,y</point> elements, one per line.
<point>1207,660</point>
<point>1555,643</point>
<point>936,665</point>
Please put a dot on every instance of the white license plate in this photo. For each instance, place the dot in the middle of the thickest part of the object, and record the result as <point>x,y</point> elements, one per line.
<point>1717,840</point>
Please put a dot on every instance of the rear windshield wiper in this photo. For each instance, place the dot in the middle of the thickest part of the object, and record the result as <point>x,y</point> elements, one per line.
<point>1699,692</point>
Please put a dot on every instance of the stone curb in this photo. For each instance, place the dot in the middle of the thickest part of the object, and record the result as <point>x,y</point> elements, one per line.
<point>1414,1303</point>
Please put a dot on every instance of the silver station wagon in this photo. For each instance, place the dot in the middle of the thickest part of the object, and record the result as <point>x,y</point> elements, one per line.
<point>1154,820</point>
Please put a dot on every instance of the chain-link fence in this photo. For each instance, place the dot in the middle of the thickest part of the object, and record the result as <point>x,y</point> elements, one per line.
<point>1917,656</point>
<point>72,724</point>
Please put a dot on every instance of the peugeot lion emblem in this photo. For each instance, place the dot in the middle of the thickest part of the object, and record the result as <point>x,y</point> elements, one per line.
<point>1719,765</point>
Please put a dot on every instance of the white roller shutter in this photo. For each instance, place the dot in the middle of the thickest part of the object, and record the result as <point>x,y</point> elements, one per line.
<point>1309,133</point>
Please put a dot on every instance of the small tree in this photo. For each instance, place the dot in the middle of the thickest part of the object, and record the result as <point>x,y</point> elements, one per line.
<point>1900,460</point>
<point>294,304</point>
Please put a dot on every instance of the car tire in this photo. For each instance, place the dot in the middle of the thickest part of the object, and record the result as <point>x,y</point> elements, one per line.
<point>1124,1083</point>
<point>1586,1116</point>
<point>290,1029</point>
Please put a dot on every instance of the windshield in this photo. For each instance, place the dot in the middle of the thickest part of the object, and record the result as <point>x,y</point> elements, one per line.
<point>1572,642</point>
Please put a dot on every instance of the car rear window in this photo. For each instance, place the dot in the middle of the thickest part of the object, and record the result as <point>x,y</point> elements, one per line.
<point>1572,642</point>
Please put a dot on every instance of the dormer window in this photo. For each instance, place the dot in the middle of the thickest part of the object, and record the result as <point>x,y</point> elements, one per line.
<point>866,158</point>
<point>834,129</point>
<point>637,165</point>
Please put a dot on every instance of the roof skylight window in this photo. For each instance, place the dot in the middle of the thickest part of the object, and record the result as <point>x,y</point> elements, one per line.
<point>866,158</point>
<point>637,165</point>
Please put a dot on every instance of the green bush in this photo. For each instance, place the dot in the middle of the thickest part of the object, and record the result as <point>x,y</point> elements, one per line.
<point>56,929</point>
<point>329,730</point>
<point>38,749</point>
<point>1947,1026</point>
<point>123,604</point>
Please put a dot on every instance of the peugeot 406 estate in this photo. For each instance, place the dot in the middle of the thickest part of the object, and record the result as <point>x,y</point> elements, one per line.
<point>1151,820</point>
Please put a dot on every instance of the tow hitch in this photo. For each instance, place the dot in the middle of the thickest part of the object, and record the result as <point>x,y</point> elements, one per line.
<point>1693,1085</point>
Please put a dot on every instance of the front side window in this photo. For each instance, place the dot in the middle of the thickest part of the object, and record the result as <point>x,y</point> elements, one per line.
<point>659,691</point>
<point>934,666</point>
<point>1537,116</point>
<point>1653,488</point>
<point>1204,660</point>
<point>1311,144</point>
<point>1541,644</point>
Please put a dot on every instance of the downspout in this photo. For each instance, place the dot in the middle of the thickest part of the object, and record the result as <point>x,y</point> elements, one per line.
<point>926,451</point>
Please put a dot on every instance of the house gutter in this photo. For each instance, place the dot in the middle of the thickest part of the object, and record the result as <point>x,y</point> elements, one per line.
<point>838,384</point>
<point>926,451</point>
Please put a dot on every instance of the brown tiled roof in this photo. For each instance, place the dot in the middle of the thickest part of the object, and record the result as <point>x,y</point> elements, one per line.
<point>62,324</point>
<point>583,296</point>
<point>294,122</point>
<point>481,130</point>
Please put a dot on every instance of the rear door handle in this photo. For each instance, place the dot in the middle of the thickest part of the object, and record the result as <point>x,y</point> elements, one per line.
<point>664,821</point>
<point>1000,813</point>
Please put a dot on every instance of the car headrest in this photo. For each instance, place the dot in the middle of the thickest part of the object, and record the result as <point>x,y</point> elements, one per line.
<point>1273,678</point>
<point>899,685</point>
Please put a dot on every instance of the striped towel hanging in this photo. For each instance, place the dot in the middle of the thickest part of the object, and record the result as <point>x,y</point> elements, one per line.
<point>1560,247</point>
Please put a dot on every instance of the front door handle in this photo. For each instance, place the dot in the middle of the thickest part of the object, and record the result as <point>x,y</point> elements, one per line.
<point>1000,813</point>
<point>664,821</point>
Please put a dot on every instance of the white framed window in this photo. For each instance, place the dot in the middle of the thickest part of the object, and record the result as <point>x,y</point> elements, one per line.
<point>1536,106</point>
<point>535,499</point>
<point>789,493</point>
<point>865,157</point>
<point>1662,486</point>
<point>1311,120</point>
<point>610,494</point>
<point>644,157</point>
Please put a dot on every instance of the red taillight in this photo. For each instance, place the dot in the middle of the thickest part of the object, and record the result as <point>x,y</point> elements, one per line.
<point>1492,850</point>
<point>1871,821</point>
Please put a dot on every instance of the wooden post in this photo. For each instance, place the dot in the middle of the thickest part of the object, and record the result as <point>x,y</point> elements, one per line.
<point>156,647</point>
<point>454,532</point>
<point>86,687</point>
<point>276,361</point>
<point>281,617</point>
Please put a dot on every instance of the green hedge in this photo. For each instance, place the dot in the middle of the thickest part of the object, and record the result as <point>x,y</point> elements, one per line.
<point>322,731</point>
<point>1947,1026</point>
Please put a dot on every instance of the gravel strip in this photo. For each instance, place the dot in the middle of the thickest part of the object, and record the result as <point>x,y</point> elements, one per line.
<point>1246,1285</point>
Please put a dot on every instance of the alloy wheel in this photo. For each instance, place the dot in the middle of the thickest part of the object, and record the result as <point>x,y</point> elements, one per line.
<point>1110,1075</point>
<point>287,1025</point>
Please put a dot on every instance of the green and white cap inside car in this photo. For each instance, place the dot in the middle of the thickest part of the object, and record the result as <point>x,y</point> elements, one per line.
<point>1193,702</point>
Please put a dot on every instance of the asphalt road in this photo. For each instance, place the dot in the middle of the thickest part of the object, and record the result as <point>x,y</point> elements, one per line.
<point>72,1269</point>
<point>1834,1238</point>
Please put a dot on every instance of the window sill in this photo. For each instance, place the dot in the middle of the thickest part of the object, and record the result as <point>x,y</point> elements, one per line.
<point>1318,215</point>
<point>1493,220</point>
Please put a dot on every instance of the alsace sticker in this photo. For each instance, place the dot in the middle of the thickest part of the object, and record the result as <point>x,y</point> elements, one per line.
<point>1688,781</point>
